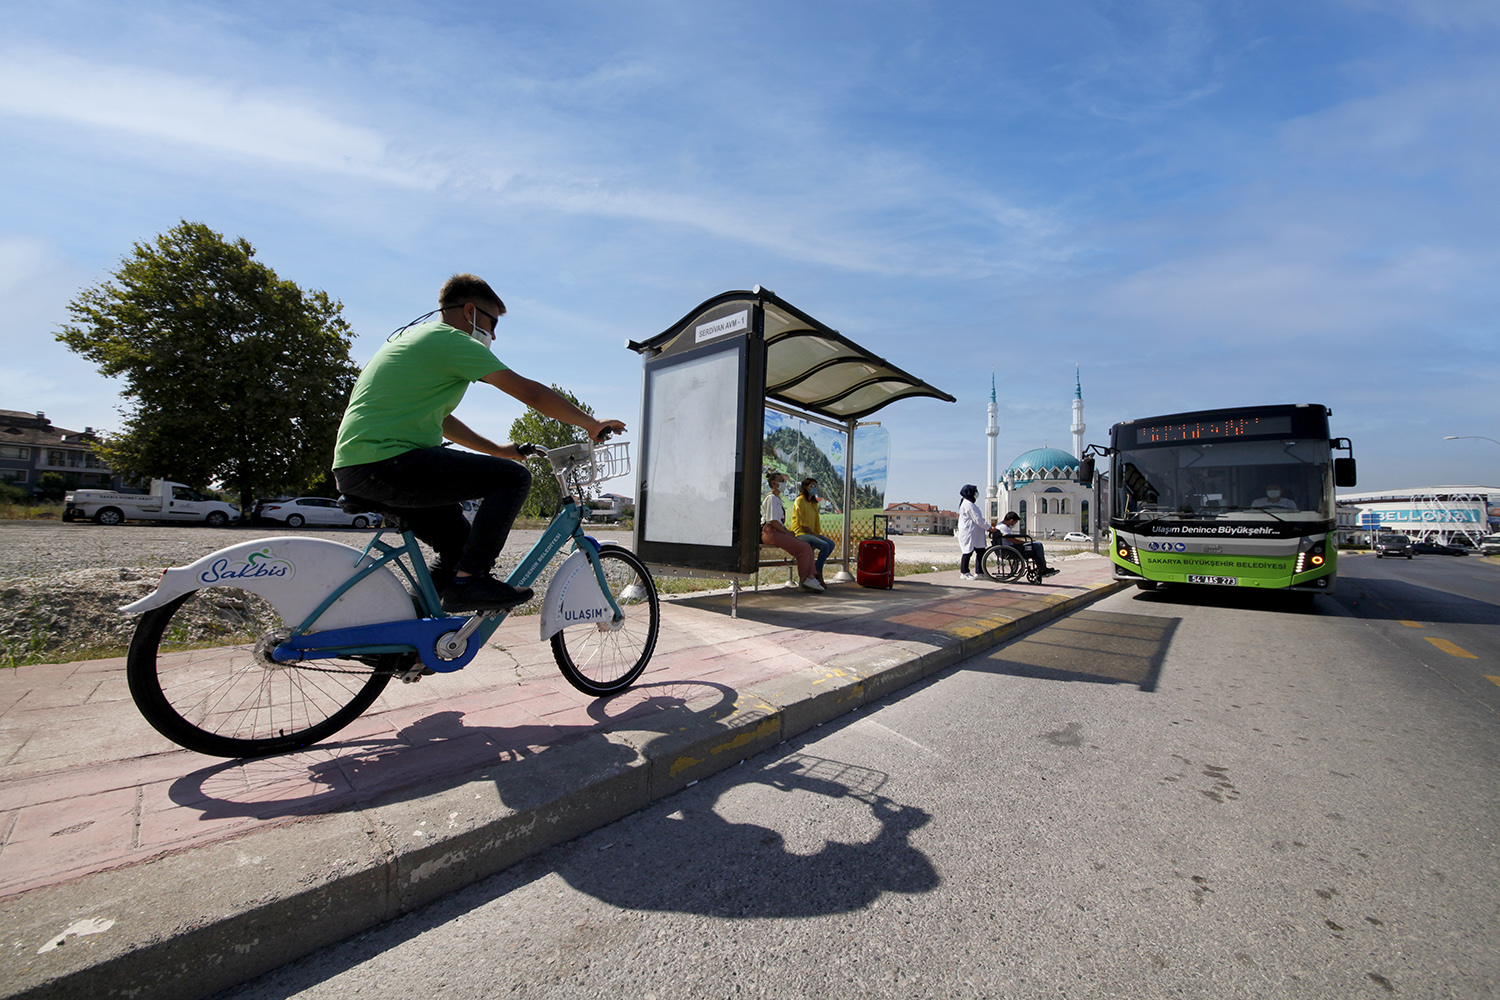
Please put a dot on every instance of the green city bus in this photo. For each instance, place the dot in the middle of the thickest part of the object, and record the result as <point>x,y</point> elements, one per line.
<point>1239,497</point>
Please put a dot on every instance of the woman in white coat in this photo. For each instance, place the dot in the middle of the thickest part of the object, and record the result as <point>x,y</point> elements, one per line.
<point>973,532</point>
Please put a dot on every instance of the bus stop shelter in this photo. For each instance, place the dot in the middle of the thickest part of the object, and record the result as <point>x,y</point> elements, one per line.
<point>708,381</point>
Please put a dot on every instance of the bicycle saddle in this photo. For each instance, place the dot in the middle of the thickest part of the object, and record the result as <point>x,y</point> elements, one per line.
<point>395,518</point>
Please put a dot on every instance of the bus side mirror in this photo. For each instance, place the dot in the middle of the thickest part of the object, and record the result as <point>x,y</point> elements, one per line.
<point>1086,471</point>
<point>1343,472</point>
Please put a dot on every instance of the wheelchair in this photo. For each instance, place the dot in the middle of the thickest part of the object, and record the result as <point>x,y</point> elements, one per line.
<point>1005,563</point>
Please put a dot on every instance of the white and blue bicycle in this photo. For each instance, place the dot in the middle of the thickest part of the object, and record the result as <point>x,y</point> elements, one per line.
<point>276,644</point>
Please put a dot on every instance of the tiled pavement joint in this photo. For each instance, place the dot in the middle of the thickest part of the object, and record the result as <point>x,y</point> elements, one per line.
<point>283,890</point>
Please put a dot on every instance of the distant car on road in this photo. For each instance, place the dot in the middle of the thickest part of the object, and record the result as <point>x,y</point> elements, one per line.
<point>1489,545</point>
<point>1434,549</point>
<point>1392,545</point>
<point>1076,536</point>
<point>894,531</point>
<point>319,511</point>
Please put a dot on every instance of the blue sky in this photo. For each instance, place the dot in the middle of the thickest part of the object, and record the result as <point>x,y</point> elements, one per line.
<point>1198,203</point>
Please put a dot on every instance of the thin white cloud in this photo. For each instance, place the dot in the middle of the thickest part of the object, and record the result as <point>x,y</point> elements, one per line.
<point>242,123</point>
<point>1461,15</point>
<point>881,212</point>
<point>1449,124</point>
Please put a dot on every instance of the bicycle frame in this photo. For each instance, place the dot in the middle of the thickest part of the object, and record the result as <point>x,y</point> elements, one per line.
<point>441,641</point>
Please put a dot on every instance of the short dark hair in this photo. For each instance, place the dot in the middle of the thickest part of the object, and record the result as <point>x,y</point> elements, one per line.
<point>469,288</point>
<point>1011,515</point>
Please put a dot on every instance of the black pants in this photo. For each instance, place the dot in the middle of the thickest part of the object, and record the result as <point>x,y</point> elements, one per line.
<point>427,484</point>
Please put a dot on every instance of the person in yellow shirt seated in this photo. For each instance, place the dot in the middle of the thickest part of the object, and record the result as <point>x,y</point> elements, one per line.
<point>804,524</point>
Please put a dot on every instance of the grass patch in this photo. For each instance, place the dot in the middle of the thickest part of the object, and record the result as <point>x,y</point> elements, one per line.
<point>44,511</point>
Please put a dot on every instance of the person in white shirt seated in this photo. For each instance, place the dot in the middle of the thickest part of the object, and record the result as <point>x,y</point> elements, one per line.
<point>773,531</point>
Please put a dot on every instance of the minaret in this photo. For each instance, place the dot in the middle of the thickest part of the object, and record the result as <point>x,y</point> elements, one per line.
<point>992,432</point>
<point>1078,426</point>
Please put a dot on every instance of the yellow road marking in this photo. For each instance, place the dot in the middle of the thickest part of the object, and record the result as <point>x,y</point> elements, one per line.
<point>1451,649</point>
<point>1492,677</point>
<point>1408,624</point>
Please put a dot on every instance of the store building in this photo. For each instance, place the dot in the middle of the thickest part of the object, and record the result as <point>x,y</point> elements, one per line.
<point>1431,513</point>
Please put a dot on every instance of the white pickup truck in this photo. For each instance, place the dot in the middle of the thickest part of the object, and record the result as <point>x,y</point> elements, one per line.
<point>166,502</point>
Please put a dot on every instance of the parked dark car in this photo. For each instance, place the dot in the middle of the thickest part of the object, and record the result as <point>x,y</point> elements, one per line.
<point>1392,545</point>
<point>1434,549</point>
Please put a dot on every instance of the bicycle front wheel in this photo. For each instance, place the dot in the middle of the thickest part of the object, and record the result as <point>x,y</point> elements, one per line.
<point>1001,563</point>
<point>201,672</point>
<point>602,658</point>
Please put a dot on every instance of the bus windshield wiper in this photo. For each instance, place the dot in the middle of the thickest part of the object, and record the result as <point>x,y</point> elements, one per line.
<point>1263,510</point>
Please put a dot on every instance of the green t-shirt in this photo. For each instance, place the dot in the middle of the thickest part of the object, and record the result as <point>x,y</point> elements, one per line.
<point>406,390</point>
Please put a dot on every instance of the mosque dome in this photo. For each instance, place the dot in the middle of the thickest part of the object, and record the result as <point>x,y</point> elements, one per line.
<point>1040,463</point>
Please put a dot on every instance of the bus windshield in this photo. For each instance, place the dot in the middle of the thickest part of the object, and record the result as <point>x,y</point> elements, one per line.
<point>1246,480</point>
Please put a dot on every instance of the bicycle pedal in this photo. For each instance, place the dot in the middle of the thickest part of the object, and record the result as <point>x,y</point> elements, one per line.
<point>414,675</point>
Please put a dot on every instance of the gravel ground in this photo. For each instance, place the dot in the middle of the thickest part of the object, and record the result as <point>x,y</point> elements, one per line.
<point>61,585</point>
<point>31,549</point>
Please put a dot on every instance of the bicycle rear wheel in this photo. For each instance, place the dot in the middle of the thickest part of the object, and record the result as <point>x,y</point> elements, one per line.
<point>200,671</point>
<point>1001,563</point>
<point>602,658</point>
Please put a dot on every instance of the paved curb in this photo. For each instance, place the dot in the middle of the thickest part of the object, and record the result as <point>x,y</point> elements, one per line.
<point>282,892</point>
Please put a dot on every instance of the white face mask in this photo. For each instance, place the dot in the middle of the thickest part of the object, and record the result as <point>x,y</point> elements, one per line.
<point>1274,494</point>
<point>479,333</point>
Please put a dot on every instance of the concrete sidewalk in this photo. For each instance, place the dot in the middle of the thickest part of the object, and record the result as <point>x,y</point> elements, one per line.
<point>130,867</point>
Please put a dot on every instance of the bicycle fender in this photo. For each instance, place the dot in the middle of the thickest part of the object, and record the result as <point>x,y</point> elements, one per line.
<point>573,597</point>
<point>296,575</point>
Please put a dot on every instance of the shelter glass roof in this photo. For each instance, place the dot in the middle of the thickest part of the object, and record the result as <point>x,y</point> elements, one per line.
<point>810,365</point>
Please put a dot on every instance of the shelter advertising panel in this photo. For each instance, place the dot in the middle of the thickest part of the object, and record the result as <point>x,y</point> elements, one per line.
<point>701,413</point>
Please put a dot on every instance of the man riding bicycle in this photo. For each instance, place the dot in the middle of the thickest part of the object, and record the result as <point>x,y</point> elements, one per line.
<point>390,444</point>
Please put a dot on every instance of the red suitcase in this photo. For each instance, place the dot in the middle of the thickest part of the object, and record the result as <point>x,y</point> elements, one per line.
<point>877,563</point>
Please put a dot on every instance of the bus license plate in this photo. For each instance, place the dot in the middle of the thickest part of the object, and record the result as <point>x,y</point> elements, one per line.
<point>1221,581</point>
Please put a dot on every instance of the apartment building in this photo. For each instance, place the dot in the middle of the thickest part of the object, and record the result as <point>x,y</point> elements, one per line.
<point>31,446</point>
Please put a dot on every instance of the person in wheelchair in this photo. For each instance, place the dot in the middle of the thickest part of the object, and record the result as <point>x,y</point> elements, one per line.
<point>391,448</point>
<point>1008,534</point>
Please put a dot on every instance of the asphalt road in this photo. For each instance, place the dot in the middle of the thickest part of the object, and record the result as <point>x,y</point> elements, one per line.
<point>1188,793</point>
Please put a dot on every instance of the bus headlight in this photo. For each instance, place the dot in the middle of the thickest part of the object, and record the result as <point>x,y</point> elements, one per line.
<point>1127,552</point>
<point>1311,555</point>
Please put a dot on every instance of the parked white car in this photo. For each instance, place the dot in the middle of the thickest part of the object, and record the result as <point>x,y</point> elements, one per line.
<point>319,511</point>
<point>1076,536</point>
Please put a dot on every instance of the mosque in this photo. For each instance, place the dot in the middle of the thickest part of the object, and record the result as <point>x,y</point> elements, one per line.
<point>1041,485</point>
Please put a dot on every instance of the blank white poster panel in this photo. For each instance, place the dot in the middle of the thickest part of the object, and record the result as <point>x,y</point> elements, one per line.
<point>694,436</point>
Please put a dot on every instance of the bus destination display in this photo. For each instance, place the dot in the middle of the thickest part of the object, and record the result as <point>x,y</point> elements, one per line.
<point>1226,428</point>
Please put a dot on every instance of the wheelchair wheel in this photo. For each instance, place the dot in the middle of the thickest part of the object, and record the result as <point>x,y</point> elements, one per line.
<point>1001,563</point>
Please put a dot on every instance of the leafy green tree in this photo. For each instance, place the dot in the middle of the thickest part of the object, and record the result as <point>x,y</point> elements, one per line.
<point>52,485</point>
<point>536,428</point>
<point>232,374</point>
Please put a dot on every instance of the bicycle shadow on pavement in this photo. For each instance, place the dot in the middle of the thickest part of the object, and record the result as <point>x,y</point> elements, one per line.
<point>736,868</point>
<point>682,855</point>
<point>439,751</point>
